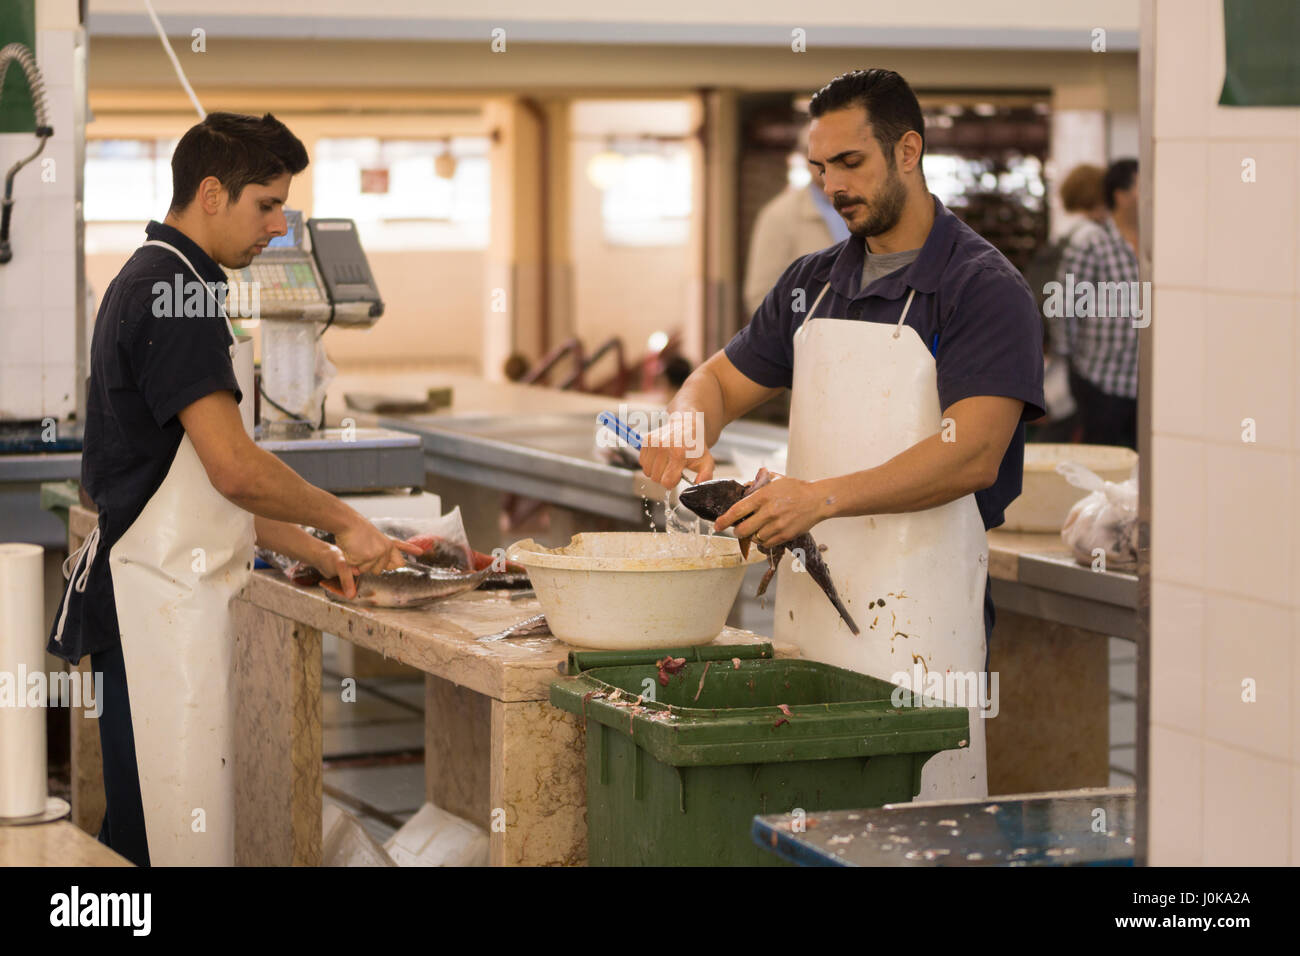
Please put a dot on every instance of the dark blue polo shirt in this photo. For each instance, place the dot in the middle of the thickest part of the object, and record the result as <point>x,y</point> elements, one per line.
<point>972,308</point>
<point>146,365</point>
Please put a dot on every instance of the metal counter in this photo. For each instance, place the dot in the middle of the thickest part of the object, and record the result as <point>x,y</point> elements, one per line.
<point>552,457</point>
<point>21,517</point>
<point>354,460</point>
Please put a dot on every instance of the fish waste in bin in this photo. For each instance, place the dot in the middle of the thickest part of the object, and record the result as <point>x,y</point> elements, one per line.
<point>711,499</point>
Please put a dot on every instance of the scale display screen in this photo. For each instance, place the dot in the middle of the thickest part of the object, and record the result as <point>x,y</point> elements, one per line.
<point>292,239</point>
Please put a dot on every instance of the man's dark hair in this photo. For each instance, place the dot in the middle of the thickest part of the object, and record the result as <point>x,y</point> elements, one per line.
<point>236,149</point>
<point>890,103</point>
<point>1119,175</point>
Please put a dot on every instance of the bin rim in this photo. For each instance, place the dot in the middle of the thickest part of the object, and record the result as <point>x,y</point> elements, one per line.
<point>766,734</point>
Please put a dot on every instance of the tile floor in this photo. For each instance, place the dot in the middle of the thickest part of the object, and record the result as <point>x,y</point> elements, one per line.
<point>1123,712</point>
<point>374,747</point>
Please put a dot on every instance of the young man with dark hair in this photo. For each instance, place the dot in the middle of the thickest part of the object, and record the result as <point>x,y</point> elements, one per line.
<point>182,492</point>
<point>913,350</point>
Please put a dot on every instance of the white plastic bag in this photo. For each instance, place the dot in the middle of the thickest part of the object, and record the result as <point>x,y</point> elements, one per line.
<point>1106,519</point>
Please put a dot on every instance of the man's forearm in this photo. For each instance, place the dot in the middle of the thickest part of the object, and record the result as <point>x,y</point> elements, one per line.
<point>271,489</point>
<point>702,393</point>
<point>932,472</point>
<point>287,539</point>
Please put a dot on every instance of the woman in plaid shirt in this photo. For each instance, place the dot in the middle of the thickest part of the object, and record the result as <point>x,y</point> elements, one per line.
<point>1099,271</point>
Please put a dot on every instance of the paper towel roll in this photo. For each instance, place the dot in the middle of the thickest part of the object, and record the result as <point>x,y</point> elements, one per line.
<point>22,664</point>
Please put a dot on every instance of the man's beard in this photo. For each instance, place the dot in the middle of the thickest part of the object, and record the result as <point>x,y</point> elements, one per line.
<point>885,208</point>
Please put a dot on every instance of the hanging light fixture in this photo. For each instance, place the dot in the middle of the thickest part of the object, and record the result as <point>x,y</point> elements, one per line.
<point>605,167</point>
<point>444,165</point>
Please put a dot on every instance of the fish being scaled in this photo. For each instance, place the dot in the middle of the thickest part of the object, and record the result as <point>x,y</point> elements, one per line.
<point>301,574</point>
<point>409,586</point>
<point>711,499</point>
<point>440,552</point>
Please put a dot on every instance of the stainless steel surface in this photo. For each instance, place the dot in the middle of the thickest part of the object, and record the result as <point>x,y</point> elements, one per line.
<point>355,439</point>
<point>1047,604</point>
<point>1062,575</point>
<point>343,460</point>
<point>552,458</point>
<point>22,519</point>
<point>56,467</point>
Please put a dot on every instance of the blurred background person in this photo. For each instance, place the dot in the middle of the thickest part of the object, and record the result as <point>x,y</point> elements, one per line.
<point>799,220</point>
<point>1083,197</point>
<point>1102,349</point>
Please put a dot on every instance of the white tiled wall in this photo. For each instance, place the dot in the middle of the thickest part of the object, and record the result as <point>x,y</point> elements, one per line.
<point>38,286</point>
<point>1225,596</point>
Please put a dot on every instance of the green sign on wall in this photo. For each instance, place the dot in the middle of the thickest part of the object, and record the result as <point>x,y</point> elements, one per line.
<point>17,25</point>
<point>1262,40</point>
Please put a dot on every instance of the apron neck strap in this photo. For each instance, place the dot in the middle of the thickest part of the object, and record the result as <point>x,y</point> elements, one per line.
<point>194,272</point>
<point>906,305</point>
<point>817,301</point>
<point>897,329</point>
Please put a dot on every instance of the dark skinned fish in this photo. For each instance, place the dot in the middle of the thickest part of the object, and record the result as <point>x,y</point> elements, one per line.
<point>711,499</point>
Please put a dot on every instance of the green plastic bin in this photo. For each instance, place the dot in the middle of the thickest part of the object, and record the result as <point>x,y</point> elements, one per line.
<point>678,782</point>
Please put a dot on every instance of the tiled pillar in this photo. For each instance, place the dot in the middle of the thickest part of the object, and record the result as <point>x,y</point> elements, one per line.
<point>1225,577</point>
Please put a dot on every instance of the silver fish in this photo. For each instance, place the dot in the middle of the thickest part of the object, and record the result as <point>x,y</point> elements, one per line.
<point>528,627</point>
<point>409,586</point>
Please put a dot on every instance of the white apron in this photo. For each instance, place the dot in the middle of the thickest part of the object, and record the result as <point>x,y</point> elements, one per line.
<point>862,393</point>
<point>174,572</point>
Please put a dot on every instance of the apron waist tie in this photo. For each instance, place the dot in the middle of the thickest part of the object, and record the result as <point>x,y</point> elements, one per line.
<point>77,582</point>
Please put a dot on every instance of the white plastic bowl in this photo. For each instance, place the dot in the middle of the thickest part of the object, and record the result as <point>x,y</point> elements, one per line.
<point>629,590</point>
<point>1046,498</point>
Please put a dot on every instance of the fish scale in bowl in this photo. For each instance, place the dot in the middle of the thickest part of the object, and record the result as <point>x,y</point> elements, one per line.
<point>632,590</point>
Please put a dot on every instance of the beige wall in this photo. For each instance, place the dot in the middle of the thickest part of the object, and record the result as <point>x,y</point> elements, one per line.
<point>624,291</point>
<point>433,298</point>
<point>432,301</point>
<point>1225,593</point>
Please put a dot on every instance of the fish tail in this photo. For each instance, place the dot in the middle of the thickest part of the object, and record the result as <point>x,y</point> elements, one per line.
<point>844,612</point>
<point>821,573</point>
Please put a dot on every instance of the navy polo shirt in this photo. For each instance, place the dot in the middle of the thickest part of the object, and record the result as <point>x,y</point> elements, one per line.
<point>972,308</point>
<point>147,363</point>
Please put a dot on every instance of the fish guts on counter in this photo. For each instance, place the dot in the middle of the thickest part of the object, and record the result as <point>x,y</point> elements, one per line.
<point>446,566</point>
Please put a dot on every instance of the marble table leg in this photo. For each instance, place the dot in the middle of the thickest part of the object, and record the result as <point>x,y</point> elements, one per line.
<point>538,813</point>
<point>87,759</point>
<point>278,739</point>
<point>457,749</point>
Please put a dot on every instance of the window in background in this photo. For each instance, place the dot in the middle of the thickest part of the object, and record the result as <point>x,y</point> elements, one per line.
<point>406,194</point>
<point>646,198</point>
<point>127,183</point>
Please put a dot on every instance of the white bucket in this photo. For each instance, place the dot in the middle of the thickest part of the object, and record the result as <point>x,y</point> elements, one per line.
<point>635,590</point>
